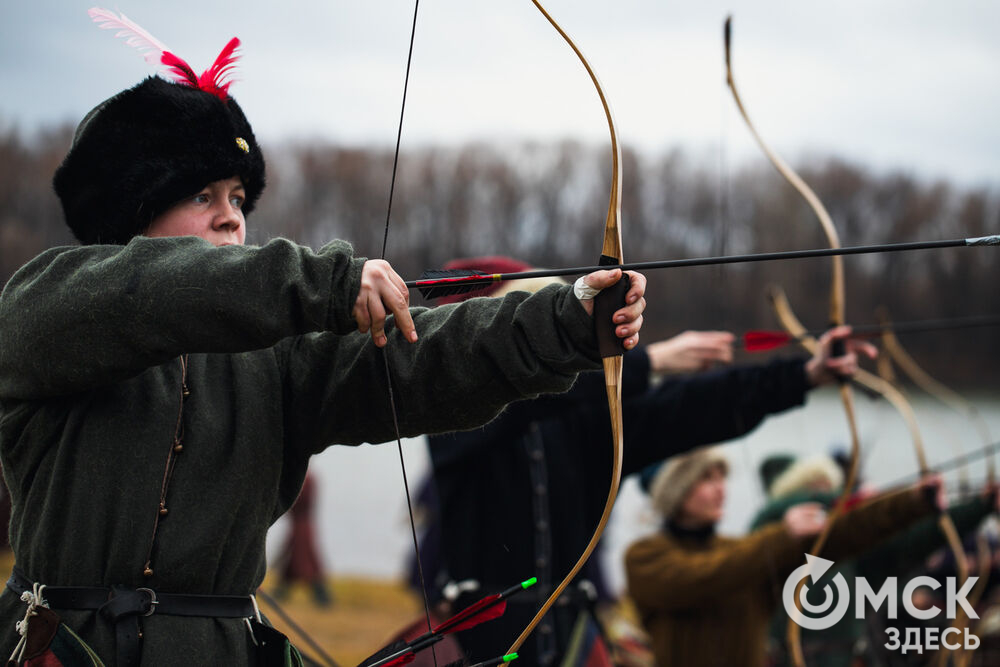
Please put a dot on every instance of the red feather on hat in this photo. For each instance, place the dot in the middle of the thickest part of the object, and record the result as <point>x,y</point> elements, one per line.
<point>214,80</point>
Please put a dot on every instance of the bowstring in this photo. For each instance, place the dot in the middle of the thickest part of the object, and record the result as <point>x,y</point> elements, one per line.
<point>385,357</point>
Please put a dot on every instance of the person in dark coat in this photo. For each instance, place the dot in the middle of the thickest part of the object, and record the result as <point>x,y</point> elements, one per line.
<point>521,496</point>
<point>163,386</point>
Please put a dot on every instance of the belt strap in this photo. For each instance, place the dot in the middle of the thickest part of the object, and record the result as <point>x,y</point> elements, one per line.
<point>124,606</point>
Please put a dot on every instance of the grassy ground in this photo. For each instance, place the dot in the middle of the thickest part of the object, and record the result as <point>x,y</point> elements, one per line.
<point>362,617</point>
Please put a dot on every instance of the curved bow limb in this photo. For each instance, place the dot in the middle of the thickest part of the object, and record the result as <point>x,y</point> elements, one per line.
<point>837,307</point>
<point>836,318</point>
<point>611,253</point>
<point>897,399</point>
<point>943,393</point>
<point>786,316</point>
<point>783,310</point>
<point>793,629</point>
<point>944,521</point>
<point>895,351</point>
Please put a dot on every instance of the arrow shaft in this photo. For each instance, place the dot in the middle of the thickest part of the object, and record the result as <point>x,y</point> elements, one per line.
<point>483,279</point>
<point>949,464</point>
<point>754,341</point>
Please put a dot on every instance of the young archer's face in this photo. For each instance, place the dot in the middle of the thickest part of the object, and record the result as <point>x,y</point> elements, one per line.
<point>215,214</point>
<point>704,502</point>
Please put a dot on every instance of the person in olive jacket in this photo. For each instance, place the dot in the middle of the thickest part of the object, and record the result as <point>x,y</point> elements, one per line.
<point>706,599</point>
<point>163,385</point>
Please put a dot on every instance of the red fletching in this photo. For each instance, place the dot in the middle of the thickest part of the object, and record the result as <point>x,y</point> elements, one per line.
<point>761,341</point>
<point>485,610</point>
<point>488,614</point>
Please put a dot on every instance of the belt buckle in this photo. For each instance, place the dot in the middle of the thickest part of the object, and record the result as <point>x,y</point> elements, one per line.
<point>152,600</point>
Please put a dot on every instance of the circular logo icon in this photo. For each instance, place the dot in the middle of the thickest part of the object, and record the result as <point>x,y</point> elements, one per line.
<point>813,570</point>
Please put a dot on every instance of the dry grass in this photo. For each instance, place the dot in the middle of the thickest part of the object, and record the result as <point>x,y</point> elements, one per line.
<point>364,615</point>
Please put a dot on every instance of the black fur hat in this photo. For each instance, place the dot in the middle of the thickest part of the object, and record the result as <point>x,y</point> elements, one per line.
<point>141,151</point>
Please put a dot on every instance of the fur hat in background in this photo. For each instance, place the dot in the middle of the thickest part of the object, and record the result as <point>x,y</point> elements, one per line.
<point>816,473</point>
<point>772,467</point>
<point>678,475</point>
<point>141,151</point>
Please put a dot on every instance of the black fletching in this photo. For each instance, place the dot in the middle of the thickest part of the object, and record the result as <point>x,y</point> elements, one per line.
<point>438,290</point>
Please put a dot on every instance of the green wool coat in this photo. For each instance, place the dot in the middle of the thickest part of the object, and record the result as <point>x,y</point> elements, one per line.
<point>90,392</point>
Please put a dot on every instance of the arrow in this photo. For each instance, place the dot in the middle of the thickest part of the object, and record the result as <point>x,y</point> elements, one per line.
<point>436,283</point>
<point>490,607</point>
<point>763,340</point>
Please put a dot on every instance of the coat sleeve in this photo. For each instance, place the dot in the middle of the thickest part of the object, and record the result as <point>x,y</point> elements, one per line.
<point>662,575</point>
<point>682,413</point>
<point>907,549</point>
<point>874,520</point>
<point>471,360</point>
<point>77,318</point>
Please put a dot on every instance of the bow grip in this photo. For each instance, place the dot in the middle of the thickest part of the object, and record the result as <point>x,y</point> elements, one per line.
<point>838,349</point>
<point>606,302</point>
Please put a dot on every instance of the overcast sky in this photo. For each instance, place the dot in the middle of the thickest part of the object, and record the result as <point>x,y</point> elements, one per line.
<point>892,84</point>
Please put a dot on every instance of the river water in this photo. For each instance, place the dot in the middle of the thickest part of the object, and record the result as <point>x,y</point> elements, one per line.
<point>364,530</point>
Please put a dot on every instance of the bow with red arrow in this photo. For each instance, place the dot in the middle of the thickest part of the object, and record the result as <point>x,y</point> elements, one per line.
<point>490,607</point>
<point>610,347</point>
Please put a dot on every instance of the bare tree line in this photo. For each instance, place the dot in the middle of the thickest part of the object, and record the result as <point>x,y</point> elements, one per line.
<point>546,203</point>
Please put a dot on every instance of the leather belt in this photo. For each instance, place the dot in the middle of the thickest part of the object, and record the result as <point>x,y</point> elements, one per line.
<point>125,606</point>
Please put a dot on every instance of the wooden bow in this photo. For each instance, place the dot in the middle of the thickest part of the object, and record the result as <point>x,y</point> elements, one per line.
<point>611,253</point>
<point>894,352</point>
<point>836,318</point>
<point>891,393</point>
<point>898,354</point>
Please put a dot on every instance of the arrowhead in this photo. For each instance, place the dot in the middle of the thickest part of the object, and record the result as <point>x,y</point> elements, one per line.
<point>817,566</point>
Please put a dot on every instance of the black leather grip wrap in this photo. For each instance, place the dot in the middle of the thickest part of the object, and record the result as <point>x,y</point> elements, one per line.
<point>605,304</point>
